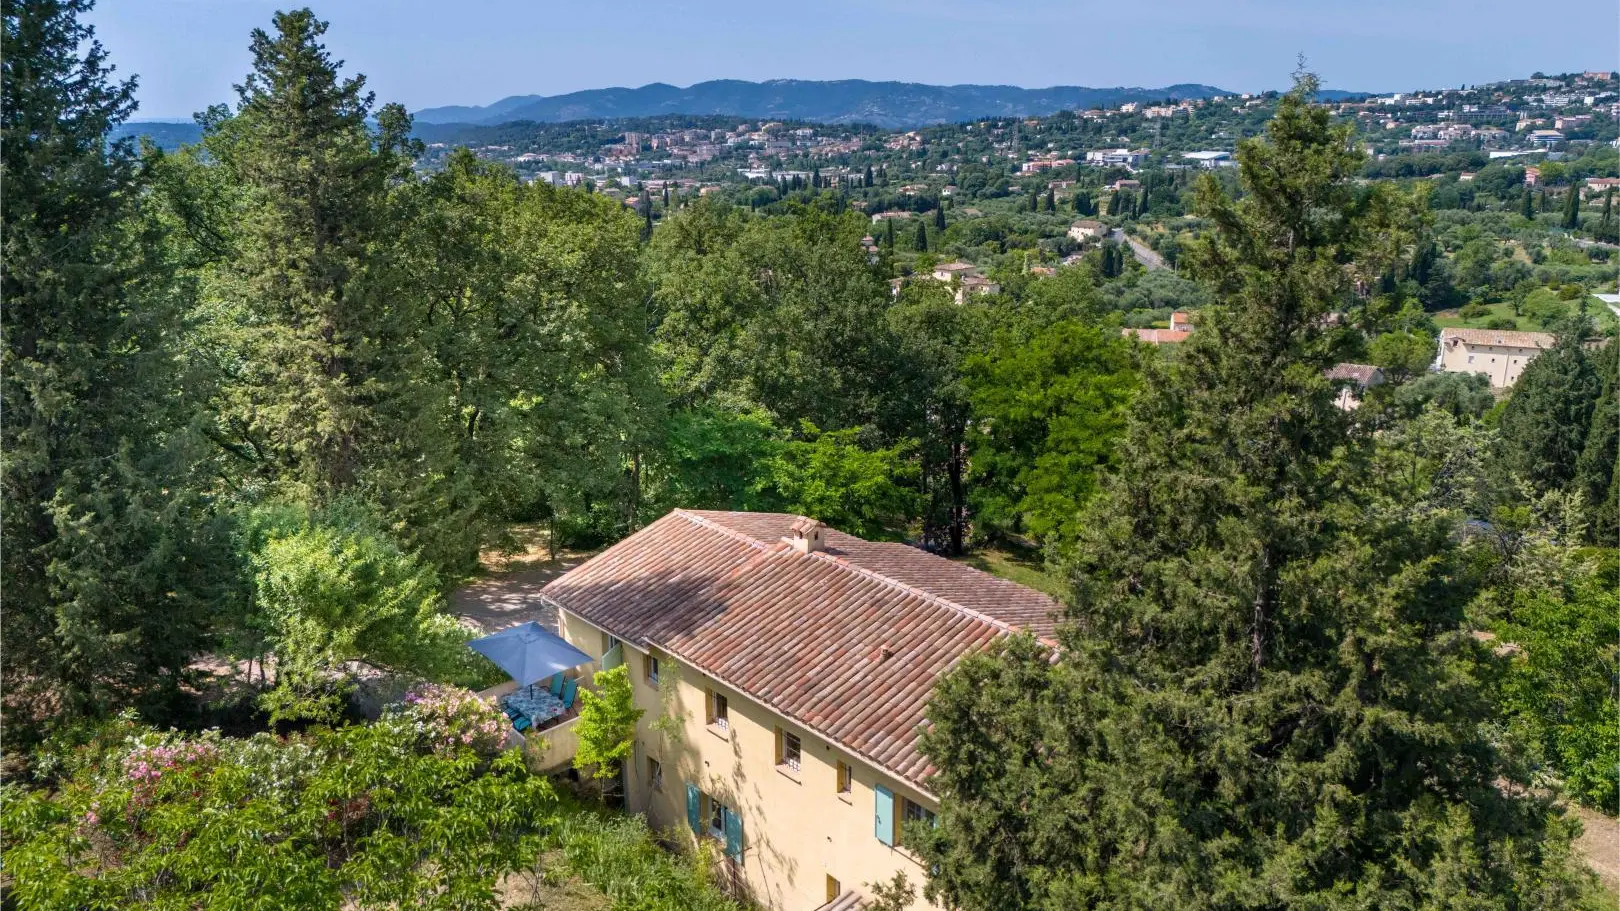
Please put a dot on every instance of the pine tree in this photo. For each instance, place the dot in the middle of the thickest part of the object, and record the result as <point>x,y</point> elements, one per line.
<point>1263,696</point>
<point>111,577</point>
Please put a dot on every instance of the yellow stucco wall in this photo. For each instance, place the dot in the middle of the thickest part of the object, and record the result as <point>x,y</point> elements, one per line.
<point>797,830</point>
<point>1501,363</point>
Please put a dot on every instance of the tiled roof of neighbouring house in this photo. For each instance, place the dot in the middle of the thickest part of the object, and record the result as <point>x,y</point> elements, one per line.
<point>1361,374</point>
<point>848,640</point>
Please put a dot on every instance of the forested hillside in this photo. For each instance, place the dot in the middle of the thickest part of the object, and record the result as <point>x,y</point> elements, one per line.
<point>268,398</point>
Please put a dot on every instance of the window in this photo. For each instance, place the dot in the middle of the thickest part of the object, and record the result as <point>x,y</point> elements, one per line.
<point>787,749</point>
<point>846,778</point>
<point>717,818</point>
<point>655,774</point>
<point>834,888</point>
<point>612,643</point>
<point>719,716</point>
<point>1470,358</point>
<point>652,669</point>
<point>914,816</point>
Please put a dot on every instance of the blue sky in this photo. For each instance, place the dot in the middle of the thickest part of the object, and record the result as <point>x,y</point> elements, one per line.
<point>188,53</point>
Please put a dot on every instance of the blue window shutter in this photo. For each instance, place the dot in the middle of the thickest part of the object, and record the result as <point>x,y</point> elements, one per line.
<point>694,812</point>
<point>883,815</point>
<point>734,841</point>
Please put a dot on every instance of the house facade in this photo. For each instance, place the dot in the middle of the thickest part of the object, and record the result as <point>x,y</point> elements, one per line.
<point>1499,354</point>
<point>783,668</point>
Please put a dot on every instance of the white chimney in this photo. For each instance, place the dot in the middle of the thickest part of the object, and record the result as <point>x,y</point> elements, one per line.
<point>807,536</point>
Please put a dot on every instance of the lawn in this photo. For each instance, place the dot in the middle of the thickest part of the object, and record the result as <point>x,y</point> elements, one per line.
<point>1452,319</point>
<point>1024,566</point>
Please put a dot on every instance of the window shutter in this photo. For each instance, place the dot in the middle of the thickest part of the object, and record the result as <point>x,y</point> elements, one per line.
<point>694,809</point>
<point>613,658</point>
<point>883,815</point>
<point>734,836</point>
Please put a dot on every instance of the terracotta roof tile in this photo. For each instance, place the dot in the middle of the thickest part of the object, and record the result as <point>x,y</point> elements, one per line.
<point>1501,337</point>
<point>803,633</point>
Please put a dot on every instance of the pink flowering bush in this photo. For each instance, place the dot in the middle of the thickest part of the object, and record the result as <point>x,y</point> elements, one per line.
<point>447,718</point>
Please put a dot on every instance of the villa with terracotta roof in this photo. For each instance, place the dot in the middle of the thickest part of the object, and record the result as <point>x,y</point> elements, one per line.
<point>1500,354</point>
<point>795,662</point>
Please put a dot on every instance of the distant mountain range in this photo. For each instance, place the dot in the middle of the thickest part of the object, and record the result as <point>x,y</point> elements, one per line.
<point>885,104</point>
<point>892,105</point>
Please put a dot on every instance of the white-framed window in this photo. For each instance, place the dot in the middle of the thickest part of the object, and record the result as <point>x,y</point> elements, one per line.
<point>655,774</point>
<point>787,749</point>
<point>846,778</point>
<point>612,642</point>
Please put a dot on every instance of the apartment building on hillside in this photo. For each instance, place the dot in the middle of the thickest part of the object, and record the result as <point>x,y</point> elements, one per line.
<point>793,662</point>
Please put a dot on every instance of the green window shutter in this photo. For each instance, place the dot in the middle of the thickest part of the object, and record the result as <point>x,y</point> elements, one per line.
<point>734,840</point>
<point>694,808</point>
<point>883,814</point>
<point>614,657</point>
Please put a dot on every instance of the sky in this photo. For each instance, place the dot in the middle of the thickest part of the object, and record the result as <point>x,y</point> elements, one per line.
<point>189,53</point>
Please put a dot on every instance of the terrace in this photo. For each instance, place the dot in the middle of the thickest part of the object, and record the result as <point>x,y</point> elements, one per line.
<point>543,695</point>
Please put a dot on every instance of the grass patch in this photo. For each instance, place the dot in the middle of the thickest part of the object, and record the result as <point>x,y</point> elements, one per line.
<point>1451,319</point>
<point>1024,566</point>
<point>1502,310</point>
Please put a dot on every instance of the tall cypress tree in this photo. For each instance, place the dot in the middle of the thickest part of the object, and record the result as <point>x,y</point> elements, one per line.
<point>314,177</point>
<point>939,217</point>
<point>1544,424</point>
<point>921,242</point>
<point>1572,207</point>
<point>1527,205</point>
<point>1597,471</point>
<point>108,572</point>
<point>1264,696</point>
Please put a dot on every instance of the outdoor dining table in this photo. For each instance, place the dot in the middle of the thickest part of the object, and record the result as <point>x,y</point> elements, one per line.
<point>534,703</point>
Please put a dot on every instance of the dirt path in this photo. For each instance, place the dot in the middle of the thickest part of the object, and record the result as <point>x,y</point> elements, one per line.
<point>509,591</point>
<point>1600,845</point>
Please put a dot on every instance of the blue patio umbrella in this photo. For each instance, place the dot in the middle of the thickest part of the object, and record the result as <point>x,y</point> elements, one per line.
<point>529,652</point>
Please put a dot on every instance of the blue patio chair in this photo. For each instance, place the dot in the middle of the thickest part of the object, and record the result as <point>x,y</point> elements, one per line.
<point>521,724</point>
<point>557,683</point>
<point>570,690</point>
